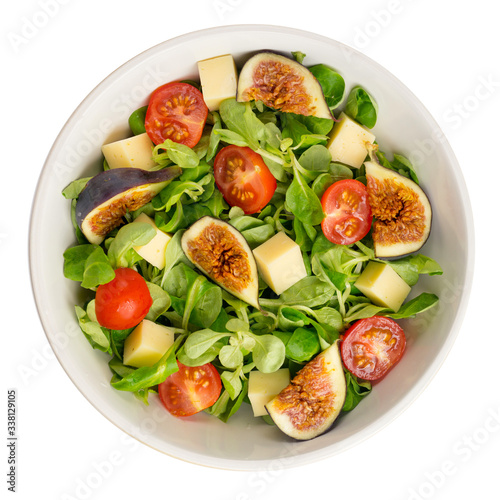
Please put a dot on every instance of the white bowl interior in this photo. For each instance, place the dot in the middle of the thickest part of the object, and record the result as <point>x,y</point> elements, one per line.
<point>404,126</point>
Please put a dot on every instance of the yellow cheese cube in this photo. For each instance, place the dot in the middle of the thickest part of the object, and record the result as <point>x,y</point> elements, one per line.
<point>147,344</point>
<point>382,285</point>
<point>279,261</point>
<point>218,79</point>
<point>347,143</point>
<point>154,251</point>
<point>135,152</point>
<point>262,387</point>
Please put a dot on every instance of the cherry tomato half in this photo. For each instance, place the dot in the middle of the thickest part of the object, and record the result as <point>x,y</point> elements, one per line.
<point>124,301</point>
<point>243,178</point>
<point>190,390</point>
<point>176,111</point>
<point>348,213</point>
<point>372,346</point>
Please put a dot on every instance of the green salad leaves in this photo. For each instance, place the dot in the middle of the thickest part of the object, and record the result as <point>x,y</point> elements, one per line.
<point>210,324</point>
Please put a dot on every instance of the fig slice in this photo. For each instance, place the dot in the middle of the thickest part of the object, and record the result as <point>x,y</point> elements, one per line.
<point>110,194</point>
<point>283,84</point>
<point>401,209</point>
<point>313,400</point>
<point>220,251</point>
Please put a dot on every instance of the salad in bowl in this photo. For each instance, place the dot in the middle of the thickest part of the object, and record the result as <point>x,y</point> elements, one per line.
<point>261,251</point>
<point>251,243</point>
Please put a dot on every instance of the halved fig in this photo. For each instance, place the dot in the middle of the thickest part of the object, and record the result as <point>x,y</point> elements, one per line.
<point>401,210</point>
<point>313,400</point>
<point>283,84</point>
<point>221,252</point>
<point>110,194</point>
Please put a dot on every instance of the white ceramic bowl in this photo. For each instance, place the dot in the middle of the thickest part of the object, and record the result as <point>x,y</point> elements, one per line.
<point>246,443</point>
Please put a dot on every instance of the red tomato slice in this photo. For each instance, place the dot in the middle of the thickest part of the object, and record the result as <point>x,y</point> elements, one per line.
<point>176,111</point>
<point>124,301</point>
<point>243,178</point>
<point>190,390</point>
<point>348,213</point>
<point>372,346</point>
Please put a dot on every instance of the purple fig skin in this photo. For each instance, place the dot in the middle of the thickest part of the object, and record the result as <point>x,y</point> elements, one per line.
<point>109,194</point>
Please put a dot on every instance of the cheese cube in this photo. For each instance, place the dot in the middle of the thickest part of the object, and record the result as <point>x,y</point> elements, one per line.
<point>382,285</point>
<point>147,344</point>
<point>218,79</point>
<point>279,261</point>
<point>262,387</point>
<point>347,142</point>
<point>154,251</point>
<point>135,152</point>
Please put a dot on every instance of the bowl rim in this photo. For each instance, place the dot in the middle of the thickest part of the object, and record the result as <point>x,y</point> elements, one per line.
<point>432,369</point>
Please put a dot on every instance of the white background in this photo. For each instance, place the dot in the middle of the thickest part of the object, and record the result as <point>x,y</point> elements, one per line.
<point>446,445</point>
